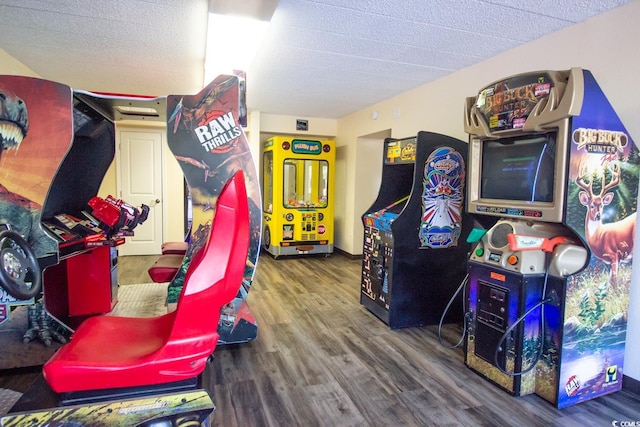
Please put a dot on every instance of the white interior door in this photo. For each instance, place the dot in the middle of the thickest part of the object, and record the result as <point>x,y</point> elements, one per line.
<point>140,182</point>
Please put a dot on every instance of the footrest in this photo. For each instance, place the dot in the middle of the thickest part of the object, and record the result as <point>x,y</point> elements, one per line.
<point>174,248</point>
<point>165,268</point>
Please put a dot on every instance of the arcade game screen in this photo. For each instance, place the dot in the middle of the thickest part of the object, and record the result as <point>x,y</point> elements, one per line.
<point>394,208</point>
<point>519,169</point>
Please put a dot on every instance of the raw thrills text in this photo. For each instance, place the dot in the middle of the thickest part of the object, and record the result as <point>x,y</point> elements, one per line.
<point>218,132</point>
<point>511,99</point>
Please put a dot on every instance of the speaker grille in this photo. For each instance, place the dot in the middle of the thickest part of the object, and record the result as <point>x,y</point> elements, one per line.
<point>499,235</point>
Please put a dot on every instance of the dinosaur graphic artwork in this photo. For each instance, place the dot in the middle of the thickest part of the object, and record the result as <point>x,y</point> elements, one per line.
<point>15,209</point>
<point>35,134</point>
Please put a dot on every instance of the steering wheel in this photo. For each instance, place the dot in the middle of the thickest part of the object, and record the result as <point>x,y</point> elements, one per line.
<point>20,273</point>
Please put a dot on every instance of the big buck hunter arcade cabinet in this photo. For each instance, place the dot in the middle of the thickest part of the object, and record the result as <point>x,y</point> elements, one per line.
<point>549,282</point>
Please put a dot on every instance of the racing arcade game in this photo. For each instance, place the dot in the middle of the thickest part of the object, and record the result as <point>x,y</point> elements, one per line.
<point>205,135</point>
<point>413,254</point>
<point>155,370</point>
<point>87,228</point>
<point>549,282</point>
<point>56,152</point>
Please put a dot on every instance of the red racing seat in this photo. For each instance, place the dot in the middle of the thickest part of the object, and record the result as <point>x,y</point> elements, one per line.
<point>174,248</point>
<point>165,268</point>
<point>111,352</point>
<point>168,264</point>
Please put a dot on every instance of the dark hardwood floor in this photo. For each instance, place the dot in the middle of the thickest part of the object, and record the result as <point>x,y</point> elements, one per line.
<point>322,359</point>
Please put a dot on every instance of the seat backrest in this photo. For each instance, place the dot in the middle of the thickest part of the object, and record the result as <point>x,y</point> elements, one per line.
<point>216,271</point>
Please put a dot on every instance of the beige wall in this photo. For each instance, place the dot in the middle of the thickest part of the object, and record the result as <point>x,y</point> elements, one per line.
<point>262,126</point>
<point>9,65</point>
<point>605,45</point>
<point>280,124</point>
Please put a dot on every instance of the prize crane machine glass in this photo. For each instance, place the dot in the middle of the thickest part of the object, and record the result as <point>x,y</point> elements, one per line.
<point>267,181</point>
<point>305,183</point>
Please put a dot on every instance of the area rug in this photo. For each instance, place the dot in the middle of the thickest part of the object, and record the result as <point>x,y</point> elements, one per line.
<point>143,300</point>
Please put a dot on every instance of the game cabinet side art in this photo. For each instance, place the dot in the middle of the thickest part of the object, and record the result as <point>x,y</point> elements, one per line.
<point>206,138</point>
<point>32,111</point>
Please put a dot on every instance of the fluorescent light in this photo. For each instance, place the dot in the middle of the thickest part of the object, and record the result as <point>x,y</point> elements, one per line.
<point>232,43</point>
<point>137,111</point>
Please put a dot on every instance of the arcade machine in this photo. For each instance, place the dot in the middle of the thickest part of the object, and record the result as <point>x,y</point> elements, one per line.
<point>549,282</point>
<point>67,245</point>
<point>414,250</point>
<point>205,135</point>
<point>87,229</point>
<point>50,200</point>
<point>26,169</point>
<point>298,186</point>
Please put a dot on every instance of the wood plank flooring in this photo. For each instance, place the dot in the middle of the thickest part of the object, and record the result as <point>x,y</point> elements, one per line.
<point>322,359</point>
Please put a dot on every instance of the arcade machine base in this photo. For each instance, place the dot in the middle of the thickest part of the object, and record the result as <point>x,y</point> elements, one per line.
<point>177,404</point>
<point>289,251</point>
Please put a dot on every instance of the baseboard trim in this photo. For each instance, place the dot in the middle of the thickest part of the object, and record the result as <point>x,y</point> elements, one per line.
<point>631,385</point>
<point>347,254</point>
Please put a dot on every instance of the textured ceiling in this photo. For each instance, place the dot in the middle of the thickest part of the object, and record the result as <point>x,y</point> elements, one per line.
<point>320,58</point>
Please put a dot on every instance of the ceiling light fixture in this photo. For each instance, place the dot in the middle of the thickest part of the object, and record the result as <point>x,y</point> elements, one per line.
<point>234,34</point>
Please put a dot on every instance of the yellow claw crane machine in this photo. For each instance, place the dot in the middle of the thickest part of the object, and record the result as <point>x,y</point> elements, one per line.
<point>298,195</point>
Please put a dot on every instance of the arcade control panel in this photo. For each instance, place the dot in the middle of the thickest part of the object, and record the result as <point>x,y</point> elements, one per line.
<point>76,234</point>
<point>507,274</point>
<point>521,247</point>
<point>85,281</point>
<point>111,219</point>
